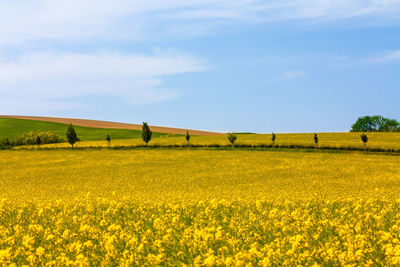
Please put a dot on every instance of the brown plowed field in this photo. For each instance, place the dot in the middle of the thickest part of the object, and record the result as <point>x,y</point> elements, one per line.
<point>112,125</point>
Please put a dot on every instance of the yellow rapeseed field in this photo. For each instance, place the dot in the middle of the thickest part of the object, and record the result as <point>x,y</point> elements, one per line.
<point>198,207</point>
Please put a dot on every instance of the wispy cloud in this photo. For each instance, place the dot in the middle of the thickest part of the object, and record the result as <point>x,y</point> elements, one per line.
<point>45,79</point>
<point>80,21</point>
<point>385,58</point>
<point>291,75</point>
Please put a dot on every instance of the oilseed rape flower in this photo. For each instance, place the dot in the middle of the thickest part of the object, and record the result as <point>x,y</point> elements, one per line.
<point>203,233</point>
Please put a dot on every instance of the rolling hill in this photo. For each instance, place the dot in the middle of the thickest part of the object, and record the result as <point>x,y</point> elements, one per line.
<point>12,128</point>
<point>19,124</point>
<point>88,130</point>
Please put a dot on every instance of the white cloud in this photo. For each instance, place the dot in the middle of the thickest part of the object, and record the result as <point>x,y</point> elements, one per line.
<point>385,58</point>
<point>291,75</point>
<point>44,79</point>
<point>79,21</point>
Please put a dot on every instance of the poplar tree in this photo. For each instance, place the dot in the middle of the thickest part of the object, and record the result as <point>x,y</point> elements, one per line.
<point>273,138</point>
<point>71,135</point>
<point>187,138</point>
<point>108,139</point>
<point>146,133</point>
<point>316,140</point>
<point>38,141</point>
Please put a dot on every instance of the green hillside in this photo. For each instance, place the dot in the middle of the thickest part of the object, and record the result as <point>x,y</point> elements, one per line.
<point>12,128</point>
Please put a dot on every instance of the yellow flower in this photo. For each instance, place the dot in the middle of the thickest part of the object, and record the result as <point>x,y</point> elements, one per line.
<point>40,251</point>
<point>210,260</point>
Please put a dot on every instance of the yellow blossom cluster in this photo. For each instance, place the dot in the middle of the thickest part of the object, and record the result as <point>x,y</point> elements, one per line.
<point>202,233</point>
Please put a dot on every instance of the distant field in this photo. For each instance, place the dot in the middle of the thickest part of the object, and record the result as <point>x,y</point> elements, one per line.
<point>376,140</point>
<point>186,175</point>
<point>12,128</point>
<point>94,137</point>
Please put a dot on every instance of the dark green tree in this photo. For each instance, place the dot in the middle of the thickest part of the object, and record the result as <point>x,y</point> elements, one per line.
<point>187,138</point>
<point>108,139</point>
<point>316,140</point>
<point>364,138</point>
<point>5,142</point>
<point>71,135</point>
<point>232,138</point>
<point>273,138</point>
<point>146,133</point>
<point>375,123</point>
<point>38,140</point>
<point>389,125</point>
<point>366,124</point>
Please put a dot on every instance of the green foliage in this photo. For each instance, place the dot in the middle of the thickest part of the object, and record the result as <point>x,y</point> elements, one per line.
<point>389,125</point>
<point>273,138</point>
<point>316,139</point>
<point>187,137</point>
<point>364,138</point>
<point>232,138</point>
<point>5,142</point>
<point>375,123</point>
<point>71,135</point>
<point>108,139</point>
<point>36,138</point>
<point>146,133</point>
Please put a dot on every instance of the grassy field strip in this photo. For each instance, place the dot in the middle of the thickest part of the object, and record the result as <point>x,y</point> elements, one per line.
<point>12,128</point>
<point>345,140</point>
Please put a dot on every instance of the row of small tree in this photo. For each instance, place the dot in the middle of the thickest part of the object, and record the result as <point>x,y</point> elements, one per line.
<point>147,134</point>
<point>232,139</point>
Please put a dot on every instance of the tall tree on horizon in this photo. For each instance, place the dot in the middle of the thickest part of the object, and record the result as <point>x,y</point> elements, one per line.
<point>273,138</point>
<point>232,138</point>
<point>316,140</point>
<point>38,141</point>
<point>71,135</point>
<point>187,138</point>
<point>146,133</point>
<point>108,139</point>
<point>375,123</point>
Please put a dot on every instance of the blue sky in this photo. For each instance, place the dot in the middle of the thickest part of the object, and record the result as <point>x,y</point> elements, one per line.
<point>257,66</point>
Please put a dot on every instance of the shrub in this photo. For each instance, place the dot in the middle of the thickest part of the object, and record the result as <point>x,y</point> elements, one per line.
<point>32,138</point>
<point>5,143</point>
